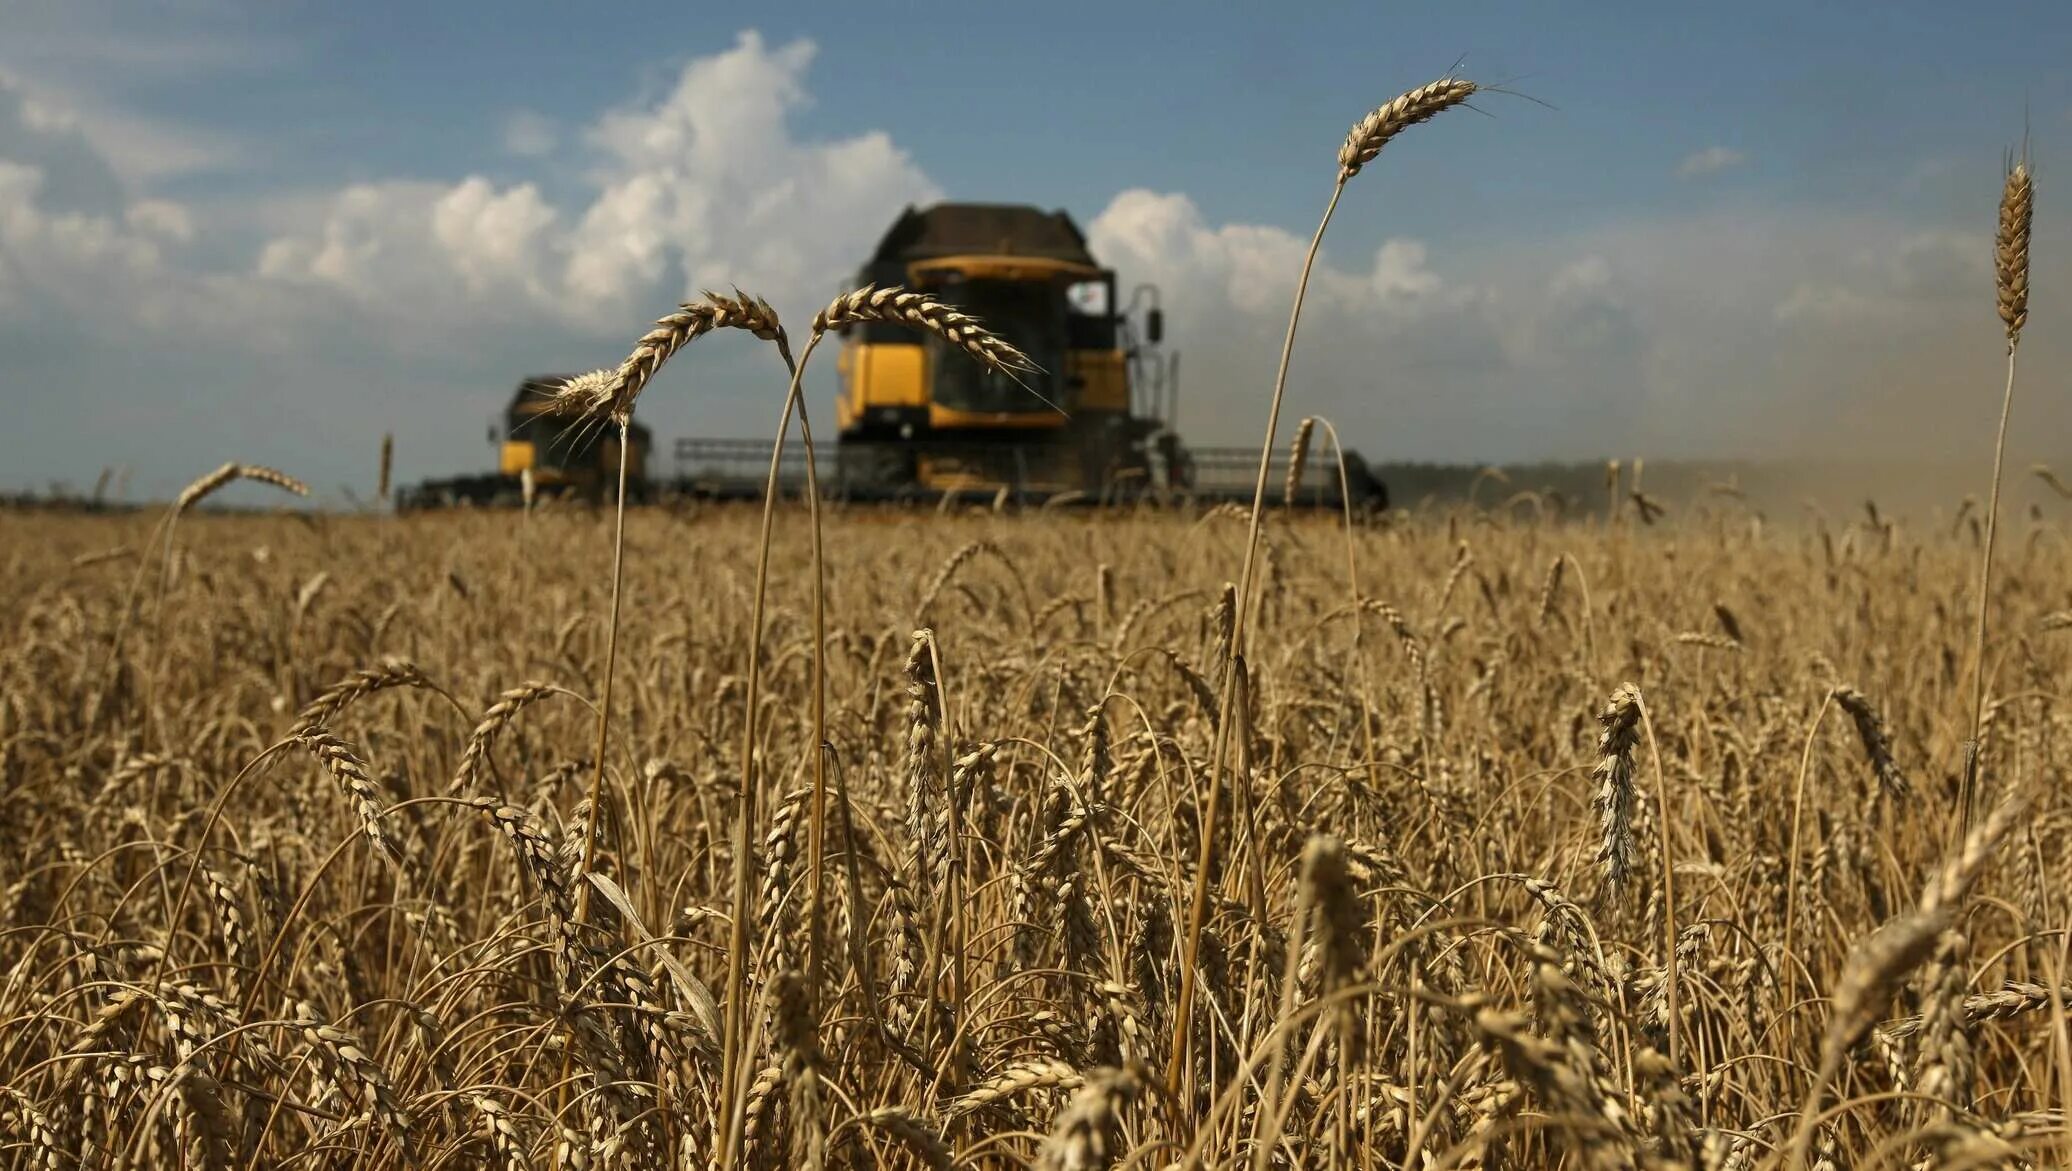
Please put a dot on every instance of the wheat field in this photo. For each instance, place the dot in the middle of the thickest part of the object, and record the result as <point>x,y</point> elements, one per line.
<point>1414,951</point>
<point>1674,836</point>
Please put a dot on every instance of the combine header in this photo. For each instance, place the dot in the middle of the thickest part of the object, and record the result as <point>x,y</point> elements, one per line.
<point>920,419</point>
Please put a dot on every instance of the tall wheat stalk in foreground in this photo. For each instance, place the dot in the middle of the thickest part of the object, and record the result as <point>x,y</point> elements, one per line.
<point>2011,271</point>
<point>1362,145</point>
<point>607,398</point>
<point>894,306</point>
<point>603,398</point>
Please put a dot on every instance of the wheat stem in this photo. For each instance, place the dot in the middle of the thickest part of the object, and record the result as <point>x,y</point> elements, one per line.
<point>1967,794</point>
<point>604,705</point>
<point>1198,904</point>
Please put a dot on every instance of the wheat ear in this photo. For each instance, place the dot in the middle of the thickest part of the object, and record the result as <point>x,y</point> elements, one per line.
<point>612,394</point>
<point>1298,454</point>
<point>1365,140</point>
<point>920,311</point>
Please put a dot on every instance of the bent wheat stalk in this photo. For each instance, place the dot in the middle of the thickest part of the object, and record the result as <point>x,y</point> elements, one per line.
<point>613,396</point>
<point>190,496</point>
<point>894,306</point>
<point>608,397</point>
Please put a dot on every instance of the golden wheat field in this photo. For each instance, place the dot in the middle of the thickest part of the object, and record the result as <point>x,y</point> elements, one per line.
<point>1135,837</point>
<point>1535,843</point>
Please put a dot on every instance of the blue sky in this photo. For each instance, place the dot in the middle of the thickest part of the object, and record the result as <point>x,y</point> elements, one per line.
<point>272,231</point>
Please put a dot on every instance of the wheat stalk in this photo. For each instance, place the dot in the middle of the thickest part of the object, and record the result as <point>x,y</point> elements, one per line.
<point>189,496</point>
<point>2013,999</point>
<point>609,400</point>
<point>1015,1081</point>
<point>2011,272</point>
<point>893,306</point>
<point>1362,145</point>
<point>493,722</point>
<point>350,1064</point>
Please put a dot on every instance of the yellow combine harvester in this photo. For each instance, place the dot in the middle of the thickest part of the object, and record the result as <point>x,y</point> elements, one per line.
<point>915,410</point>
<point>919,418</point>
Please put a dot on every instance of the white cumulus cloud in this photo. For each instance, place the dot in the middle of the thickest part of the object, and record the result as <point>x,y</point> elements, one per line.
<point>708,185</point>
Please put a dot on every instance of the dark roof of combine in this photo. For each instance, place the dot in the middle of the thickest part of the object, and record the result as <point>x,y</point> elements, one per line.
<point>983,229</point>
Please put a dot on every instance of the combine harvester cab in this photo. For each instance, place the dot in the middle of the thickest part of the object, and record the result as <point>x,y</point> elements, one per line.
<point>564,458</point>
